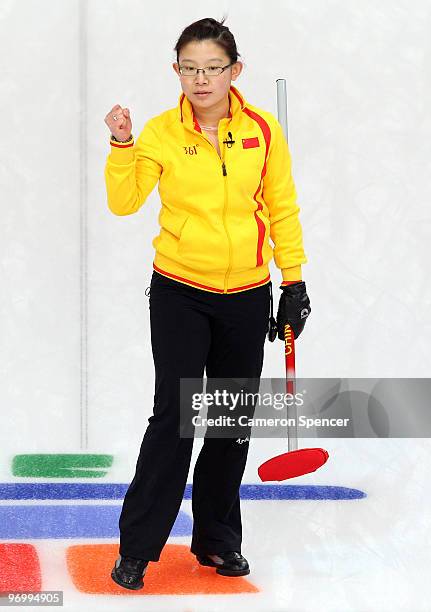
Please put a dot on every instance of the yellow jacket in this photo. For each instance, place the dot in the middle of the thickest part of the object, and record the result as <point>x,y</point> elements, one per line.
<point>217,213</point>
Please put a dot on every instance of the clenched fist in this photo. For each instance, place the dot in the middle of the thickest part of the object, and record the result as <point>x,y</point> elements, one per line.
<point>118,121</point>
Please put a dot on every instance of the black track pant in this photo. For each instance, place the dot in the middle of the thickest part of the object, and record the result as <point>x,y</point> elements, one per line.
<point>192,329</point>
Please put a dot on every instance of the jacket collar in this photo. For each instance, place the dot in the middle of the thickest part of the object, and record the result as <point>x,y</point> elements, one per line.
<point>236,105</point>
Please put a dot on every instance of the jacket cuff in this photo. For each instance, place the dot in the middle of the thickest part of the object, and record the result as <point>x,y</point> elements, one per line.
<point>122,153</point>
<point>292,274</point>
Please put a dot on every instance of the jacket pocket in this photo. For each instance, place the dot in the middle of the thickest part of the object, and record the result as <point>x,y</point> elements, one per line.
<point>171,225</point>
<point>203,246</point>
<point>250,244</point>
<point>172,222</point>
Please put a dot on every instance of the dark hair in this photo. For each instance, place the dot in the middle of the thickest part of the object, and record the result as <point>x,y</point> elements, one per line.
<point>209,28</point>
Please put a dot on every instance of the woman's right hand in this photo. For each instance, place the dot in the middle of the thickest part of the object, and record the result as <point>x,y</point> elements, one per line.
<point>121,127</point>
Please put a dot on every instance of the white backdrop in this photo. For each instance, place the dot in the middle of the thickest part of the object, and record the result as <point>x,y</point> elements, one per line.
<point>76,361</point>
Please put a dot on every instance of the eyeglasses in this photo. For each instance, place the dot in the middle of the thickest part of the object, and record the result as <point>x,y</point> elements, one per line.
<point>209,70</point>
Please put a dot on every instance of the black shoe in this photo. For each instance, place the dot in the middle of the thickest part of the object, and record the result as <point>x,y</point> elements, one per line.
<point>129,572</point>
<point>230,563</point>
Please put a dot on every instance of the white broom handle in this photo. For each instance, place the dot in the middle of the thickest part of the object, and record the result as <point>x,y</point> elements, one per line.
<point>292,433</point>
<point>282,105</point>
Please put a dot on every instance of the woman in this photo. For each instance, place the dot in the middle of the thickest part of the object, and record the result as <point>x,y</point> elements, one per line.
<point>225,185</point>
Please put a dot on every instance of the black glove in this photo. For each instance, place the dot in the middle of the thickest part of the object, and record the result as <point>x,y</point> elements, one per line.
<point>293,308</point>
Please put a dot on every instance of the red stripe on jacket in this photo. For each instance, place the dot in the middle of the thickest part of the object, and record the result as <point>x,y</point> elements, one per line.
<point>266,131</point>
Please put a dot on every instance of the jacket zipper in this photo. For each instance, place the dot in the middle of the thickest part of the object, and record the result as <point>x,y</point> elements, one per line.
<point>224,173</point>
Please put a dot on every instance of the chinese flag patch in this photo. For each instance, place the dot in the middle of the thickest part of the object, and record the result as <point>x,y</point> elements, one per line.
<point>249,143</point>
